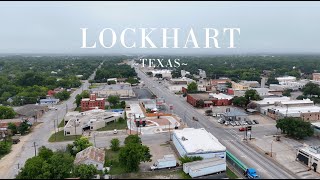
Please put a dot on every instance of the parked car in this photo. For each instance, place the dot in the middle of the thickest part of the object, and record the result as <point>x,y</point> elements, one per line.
<point>237,123</point>
<point>115,131</point>
<point>232,123</point>
<point>256,121</point>
<point>242,128</point>
<point>249,122</point>
<point>226,123</point>
<point>244,123</point>
<point>253,123</point>
<point>195,119</point>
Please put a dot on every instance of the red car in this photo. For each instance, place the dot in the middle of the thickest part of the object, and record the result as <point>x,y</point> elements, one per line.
<point>242,129</point>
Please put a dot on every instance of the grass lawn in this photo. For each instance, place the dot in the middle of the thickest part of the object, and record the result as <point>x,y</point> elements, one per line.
<point>114,125</point>
<point>111,159</point>
<point>61,137</point>
<point>183,175</point>
<point>61,123</point>
<point>230,174</point>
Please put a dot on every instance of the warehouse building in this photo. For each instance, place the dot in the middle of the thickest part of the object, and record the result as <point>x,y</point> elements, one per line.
<point>198,142</point>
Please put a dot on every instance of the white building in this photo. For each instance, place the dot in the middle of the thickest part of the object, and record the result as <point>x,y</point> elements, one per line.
<point>112,79</point>
<point>164,72</point>
<point>124,90</point>
<point>91,155</point>
<point>134,111</point>
<point>270,101</point>
<point>198,142</point>
<point>77,122</point>
<point>220,96</point>
<point>310,156</point>
<point>262,91</point>
<point>149,104</point>
<point>177,88</point>
<point>184,73</point>
<point>286,79</point>
<point>49,101</point>
<point>202,74</point>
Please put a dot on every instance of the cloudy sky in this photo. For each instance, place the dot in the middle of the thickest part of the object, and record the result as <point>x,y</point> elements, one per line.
<point>54,27</point>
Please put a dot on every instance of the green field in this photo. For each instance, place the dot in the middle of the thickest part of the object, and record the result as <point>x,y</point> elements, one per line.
<point>114,125</point>
<point>60,137</point>
<point>111,159</point>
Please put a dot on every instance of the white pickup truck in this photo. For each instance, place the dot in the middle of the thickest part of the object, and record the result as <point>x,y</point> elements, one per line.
<point>168,161</point>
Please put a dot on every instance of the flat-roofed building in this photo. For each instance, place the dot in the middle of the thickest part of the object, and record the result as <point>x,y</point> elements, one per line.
<point>309,156</point>
<point>198,142</point>
<point>124,90</point>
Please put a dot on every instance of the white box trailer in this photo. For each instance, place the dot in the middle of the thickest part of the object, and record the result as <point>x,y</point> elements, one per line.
<point>205,167</point>
<point>167,161</point>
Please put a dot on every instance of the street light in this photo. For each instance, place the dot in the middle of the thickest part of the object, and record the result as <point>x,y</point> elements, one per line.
<point>271,147</point>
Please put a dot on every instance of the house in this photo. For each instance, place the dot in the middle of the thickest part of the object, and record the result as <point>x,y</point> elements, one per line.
<point>92,103</point>
<point>316,76</point>
<point>198,142</point>
<point>78,122</point>
<point>286,79</point>
<point>123,90</point>
<point>263,92</point>
<point>4,124</point>
<point>49,101</point>
<point>309,156</point>
<point>91,155</point>
<point>10,100</point>
<point>51,93</point>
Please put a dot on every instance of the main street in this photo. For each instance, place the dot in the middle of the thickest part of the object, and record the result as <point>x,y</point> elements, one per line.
<point>265,167</point>
<point>39,137</point>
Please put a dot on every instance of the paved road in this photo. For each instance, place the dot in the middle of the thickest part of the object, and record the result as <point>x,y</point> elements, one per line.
<point>265,167</point>
<point>40,135</point>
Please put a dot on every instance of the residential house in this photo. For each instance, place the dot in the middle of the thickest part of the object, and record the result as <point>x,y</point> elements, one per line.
<point>91,155</point>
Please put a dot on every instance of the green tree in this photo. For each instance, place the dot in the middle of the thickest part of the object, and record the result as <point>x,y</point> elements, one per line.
<point>63,95</point>
<point>61,165</point>
<point>131,155</point>
<point>186,159</point>
<point>78,145</point>
<point>45,153</point>
<point>287,92</point>
<point>4,148</point>
<point>192,87</point>
<point>158,76</point>
<point>35,168</point>
<point>85,171</point>
<point>295,127</point>
<point>239,101</point>
<point>252,95</point>
<point>84,94</point>
<point>115,144</point>
<point>200,103</point>
<point>114,100</point>
<point>6,112</point>
<point>229,84</point>
<point>13,128</point>
<point>23,127</point>
<point>123,104</point>
<point>132,80</point>
<point>112,82</point>
<point>132,139</point>
<point>311,89</point>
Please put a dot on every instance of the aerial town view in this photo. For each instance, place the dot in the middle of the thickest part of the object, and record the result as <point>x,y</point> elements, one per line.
<point>159,90</point>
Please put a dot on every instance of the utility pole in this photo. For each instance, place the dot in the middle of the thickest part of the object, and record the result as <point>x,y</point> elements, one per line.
<point>35,148</point>
<point>169,132</point>
<point>66,108</point>
<point>75,129</point>
<point>55,131</point>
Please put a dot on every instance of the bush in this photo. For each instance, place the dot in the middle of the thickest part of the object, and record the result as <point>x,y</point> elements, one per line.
<point>187,159</point>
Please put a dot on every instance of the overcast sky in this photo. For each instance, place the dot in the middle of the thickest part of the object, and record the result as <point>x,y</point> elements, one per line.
<point>54,27</point>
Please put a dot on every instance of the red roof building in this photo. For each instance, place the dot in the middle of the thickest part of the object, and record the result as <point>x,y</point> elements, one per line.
<point>92,103</point>
<point>51,93</point>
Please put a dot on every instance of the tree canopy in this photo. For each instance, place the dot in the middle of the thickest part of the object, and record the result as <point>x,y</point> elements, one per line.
<point>192,87</point>
<point>78,145</point>
<point>295,127</point>
<point>7,112</point>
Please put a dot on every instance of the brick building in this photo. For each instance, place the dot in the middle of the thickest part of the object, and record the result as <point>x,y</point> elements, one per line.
<point>209,99</point>
<point>92,103</point>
